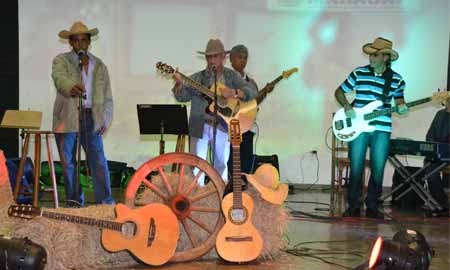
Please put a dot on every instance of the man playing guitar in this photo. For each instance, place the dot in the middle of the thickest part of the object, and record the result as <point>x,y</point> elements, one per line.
<point>376,81</point>
<point>200,122</point>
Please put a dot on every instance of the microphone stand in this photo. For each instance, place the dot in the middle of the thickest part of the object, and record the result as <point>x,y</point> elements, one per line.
<point>78,158</point>
<point>215,122</point>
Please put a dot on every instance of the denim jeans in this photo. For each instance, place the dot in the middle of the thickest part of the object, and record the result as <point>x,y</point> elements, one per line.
<point>379,142</point>
<point>98,167</point>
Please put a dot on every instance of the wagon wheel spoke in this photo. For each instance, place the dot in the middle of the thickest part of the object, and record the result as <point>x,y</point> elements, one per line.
<point>187,229</point>
<point>204,195</point>
<point>200,224</point>
<point>205,209</point>
<point>193,184</point>
<point>181,180</point>
<point>155,189</point>
<point>166,181</point>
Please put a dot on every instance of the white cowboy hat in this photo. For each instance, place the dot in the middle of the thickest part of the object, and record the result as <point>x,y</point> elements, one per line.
<point>267,181</point>
<point>77,29</point>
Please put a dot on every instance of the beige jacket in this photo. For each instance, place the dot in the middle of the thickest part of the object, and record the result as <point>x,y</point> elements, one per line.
<point>66,74</point>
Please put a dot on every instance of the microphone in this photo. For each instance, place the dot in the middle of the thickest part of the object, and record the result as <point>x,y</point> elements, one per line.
<point>80,59</point>
<point>214,68</point>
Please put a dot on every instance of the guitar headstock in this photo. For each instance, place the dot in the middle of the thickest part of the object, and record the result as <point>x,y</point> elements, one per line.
<point>289,72</point>
<point>440,96</point>
<point>165,68</point>
<point>234,132</point>
<point>23,211</point>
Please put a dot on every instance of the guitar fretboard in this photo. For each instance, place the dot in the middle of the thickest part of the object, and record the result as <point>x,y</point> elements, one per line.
<point>237,182</point>
<point>190,82</point>
<point>387,111</point>
<point>263,93</point>
<point>104,224</point>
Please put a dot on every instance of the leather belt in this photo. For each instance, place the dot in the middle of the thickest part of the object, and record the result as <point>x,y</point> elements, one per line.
<point>210,121</point>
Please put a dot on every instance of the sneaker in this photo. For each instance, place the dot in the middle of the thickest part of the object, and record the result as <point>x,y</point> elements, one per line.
<point>374,213</point>
<point>352,212</point>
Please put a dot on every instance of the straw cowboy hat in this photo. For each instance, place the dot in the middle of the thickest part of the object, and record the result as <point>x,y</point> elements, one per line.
<point>214,46</point>
<point>380,45</point>
<point>267,181</point>
<point>77,29</point>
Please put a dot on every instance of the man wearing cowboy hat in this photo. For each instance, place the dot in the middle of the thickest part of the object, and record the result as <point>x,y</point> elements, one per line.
<point>376,81</point>
<point>200,123</point>
<point>79,73</point>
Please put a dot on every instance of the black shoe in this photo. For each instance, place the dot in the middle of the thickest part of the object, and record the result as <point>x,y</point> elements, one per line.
<point>352,212</point>
<point>374,213</point>
<point>440,213</point>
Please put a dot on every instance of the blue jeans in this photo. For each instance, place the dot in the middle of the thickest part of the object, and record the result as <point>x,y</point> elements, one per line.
<point>379,142</point>
<point>98,167</point>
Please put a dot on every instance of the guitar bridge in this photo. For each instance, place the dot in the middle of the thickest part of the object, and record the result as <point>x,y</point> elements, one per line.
<point>239,239</point>
<point>151,232</point>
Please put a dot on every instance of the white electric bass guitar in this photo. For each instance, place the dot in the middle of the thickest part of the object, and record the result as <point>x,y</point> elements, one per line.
<point>347,129</point>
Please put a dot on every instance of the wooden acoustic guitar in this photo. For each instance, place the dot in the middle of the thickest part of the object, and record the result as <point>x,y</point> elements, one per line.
<point>230,108</point>
<point>150,232</point>
<point>238,240</point>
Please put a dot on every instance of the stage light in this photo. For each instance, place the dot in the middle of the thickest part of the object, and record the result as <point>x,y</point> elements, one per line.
<point>408,251</point>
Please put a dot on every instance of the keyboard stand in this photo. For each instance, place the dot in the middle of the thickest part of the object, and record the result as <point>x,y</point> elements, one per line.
<point>415,185</point>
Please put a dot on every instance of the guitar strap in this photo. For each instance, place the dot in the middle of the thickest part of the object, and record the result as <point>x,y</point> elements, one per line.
<point>387,86</point>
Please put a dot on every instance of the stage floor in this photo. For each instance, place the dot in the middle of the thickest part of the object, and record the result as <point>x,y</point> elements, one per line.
<point>323,240</point>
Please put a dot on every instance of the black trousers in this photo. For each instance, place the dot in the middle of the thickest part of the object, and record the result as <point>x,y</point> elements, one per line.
<point>436,187</point>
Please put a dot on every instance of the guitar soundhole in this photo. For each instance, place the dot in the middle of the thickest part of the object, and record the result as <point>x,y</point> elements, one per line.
<point>238,215</point>
<point>129,229</point>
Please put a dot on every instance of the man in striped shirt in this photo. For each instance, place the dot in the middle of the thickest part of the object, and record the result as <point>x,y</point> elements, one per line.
<point>370,84</point>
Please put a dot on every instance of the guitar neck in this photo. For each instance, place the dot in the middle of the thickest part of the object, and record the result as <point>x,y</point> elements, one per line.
<point>263,93</point>
<point>201,88</point>
<point>388,111</point>
<point>104,224</point>
<point>237,182</point>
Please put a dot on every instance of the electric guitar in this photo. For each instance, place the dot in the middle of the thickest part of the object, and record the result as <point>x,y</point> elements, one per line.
<point>238,240</point>
<point>347,129</point>
<point>150,232</point>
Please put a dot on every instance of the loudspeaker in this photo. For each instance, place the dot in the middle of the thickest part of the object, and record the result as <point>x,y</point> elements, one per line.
<point>259,160</point>
<point>17,253</point>
<point>410,200</point>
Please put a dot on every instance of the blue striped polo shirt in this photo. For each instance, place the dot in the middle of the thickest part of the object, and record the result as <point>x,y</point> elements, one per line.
<point>369,87</point>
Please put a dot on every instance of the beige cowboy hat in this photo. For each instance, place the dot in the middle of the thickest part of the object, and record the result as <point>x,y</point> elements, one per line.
<point>380,45</point>
<point>267,181</point>
<point>77,29</point>
<point>214,46</point>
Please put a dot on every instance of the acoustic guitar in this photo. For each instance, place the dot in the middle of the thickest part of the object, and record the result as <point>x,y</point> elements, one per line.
<point>229,108</point>
<point>347,129</point>
<point>238,240</point>
<point>150,233</point>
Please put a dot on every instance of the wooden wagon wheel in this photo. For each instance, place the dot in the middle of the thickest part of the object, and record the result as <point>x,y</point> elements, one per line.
<point>184,198</point>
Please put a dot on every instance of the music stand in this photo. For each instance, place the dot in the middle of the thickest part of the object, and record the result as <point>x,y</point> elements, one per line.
<point>162,119</point>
